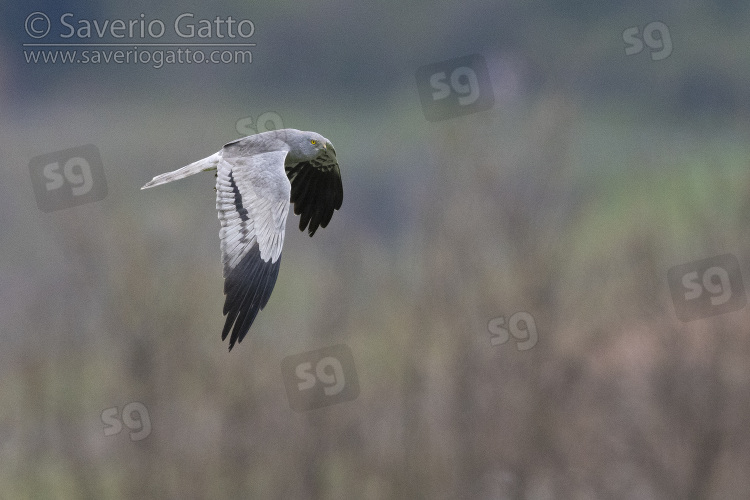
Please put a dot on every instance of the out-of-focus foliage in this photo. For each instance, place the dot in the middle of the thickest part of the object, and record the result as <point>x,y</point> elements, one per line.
<point>592,175</point>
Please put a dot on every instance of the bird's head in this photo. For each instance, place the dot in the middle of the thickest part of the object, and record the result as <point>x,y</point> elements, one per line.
<point>309,146</point>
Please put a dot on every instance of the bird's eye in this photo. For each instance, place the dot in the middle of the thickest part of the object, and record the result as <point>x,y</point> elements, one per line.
<point>313,142</point>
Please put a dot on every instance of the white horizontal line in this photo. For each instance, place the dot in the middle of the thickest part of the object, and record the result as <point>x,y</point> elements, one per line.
<point>139,45</point>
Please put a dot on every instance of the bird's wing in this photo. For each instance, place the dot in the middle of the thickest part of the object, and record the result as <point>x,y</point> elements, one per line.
<point>316,192</point>
<point>252,197</point>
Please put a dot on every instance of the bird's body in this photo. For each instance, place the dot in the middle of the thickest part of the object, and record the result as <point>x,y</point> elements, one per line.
<point>256,179</point>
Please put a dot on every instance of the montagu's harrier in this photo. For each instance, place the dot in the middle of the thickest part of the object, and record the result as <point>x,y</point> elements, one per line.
<point>256,179</point>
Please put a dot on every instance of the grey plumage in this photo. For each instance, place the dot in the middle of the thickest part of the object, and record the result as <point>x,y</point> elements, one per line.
<point>257,177</point>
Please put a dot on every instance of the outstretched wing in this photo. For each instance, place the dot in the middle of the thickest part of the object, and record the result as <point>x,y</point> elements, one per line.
<point>316,191</point>
<point>252,197</point>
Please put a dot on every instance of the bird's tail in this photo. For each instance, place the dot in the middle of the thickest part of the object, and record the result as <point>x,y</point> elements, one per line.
<point>203,165</point>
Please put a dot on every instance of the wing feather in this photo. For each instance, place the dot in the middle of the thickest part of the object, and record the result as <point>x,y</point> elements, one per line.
<point>252,198</point>
<point>316,192</point>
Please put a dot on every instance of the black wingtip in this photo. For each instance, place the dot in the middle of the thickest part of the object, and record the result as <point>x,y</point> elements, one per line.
<point>316,194</point>
<point>247,288</point>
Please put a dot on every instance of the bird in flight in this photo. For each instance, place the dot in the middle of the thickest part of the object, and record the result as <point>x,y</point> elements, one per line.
<point>256,179</point>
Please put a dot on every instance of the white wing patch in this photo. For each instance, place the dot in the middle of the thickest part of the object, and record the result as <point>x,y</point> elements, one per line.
<point>252,197</point>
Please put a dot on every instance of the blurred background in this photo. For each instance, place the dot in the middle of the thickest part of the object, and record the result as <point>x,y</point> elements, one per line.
<point>609,145</point>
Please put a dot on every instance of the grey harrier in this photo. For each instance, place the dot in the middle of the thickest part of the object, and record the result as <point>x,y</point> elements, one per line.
<point>256,179</point>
